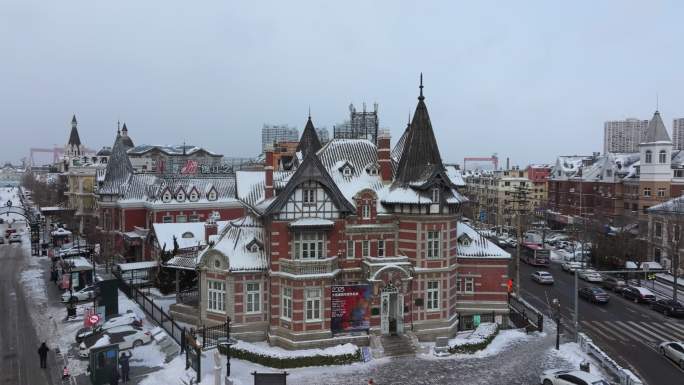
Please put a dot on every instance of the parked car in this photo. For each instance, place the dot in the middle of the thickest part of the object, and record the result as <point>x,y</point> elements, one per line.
<point>668,307</point>
<point>2,240</point>
<point>590,275</point>
<point>613,283</point>
<point>127,337</point>
<point>594,294</point>
<point>14,238</point>
<point>129,318</point>
<point>543,277</point>
<point>85,294</point>
<point>570,266</point>
<point>673,350</point>
<point>570,377</point>
<point>638,294</point>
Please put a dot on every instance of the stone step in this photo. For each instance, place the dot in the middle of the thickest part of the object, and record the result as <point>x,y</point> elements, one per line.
<point>184,313</point>
<point>397,346</point>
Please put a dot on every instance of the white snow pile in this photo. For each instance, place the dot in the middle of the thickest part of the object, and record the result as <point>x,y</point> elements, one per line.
<point>264,349</point>
<point>102,341</point>
<point>483,332</point>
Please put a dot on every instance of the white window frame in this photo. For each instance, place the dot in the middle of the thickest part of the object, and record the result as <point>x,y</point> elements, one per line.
<point>365,211</point>
<point>662,156</point>
<point>180,197</point>
<point>432,296</point>
<point>469,285</point>
<point>313,298</point>
<point>166,197</point>
<point>351,249</point>
<point>433,244</point>
<point>253,297</point>
<point>459,286</point>
<point>194,196</point>
<point>216,296</point>
<point>181,218</point>
<point>365,248</point>
<point>211,196</point>
<point>346,171</point>
<point>657,229</point>
<point>309,196</point>
<point>167,219</point>
<point>647,191</point>
<point>435,195</point>
<point>661,192</point>
<point>309,245</point>
<point>381,247</point>
<point>649,156</point>
<point>286,303</point>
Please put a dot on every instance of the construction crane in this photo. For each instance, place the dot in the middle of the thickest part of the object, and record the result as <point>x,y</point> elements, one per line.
<point>494,159</point>
<point>55,151</point>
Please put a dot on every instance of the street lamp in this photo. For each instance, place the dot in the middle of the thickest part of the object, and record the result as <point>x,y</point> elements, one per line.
<point>557,314</point>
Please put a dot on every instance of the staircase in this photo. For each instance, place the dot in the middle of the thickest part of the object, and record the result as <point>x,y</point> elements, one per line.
<point>395,346</point>
<point>184,313</point>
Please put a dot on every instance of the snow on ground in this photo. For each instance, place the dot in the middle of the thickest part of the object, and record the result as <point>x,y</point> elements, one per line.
<point>265,349</point>
<point>571,353</point>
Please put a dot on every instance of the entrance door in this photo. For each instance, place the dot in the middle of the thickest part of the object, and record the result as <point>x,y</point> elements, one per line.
<point>399,314</point>
<point>384,313</point>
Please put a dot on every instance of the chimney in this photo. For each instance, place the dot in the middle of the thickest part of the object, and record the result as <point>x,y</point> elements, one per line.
<point>384,155</point>
<point>210,227</point>
<point>268,188</point>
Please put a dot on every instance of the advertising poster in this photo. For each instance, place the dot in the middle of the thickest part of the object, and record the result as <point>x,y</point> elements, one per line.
<point>350,308</point>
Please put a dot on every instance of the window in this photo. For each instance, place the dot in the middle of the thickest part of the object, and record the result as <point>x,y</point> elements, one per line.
<point>381,248</point>
<point>167,219</point>
<point>193,218</point>
<point>309,196</point>
<point>433,295</point>
<point>212,195</point>
<point>286,307</point>
<point>365,211</point>
<point>181,218</point>
<point>166,197</point>
<point>433,244</point>
<point>469,285</point>
<point>658,229</point>
<point>435,195</point>
<point>194,196</point>
<point>649,156</point>
<point>679,173</point>
<point>661,192</point>
<point>458,285</point>
<point>373,171</point>
<point>675,233</point>
<point>647,191</point>
<point>309,245</point>
<point>253,297</point>
<point>365,248</point>
<point>662,156</point>
<point>507,183</point>
<point>216,292</point>
<point>180,197</point>
<point>313,304</point>
<point>350,250</point>
<point>347,171</point>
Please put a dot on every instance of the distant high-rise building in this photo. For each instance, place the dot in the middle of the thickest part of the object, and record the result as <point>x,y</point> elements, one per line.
<point>273,133</point>
<point>361,125</point>
<point>678,134</point>
<point>623,135</point>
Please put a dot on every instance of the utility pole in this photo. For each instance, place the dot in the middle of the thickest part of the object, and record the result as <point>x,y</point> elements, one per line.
<point>520,201</point>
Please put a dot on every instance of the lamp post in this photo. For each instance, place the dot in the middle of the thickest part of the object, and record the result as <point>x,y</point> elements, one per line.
<point>557,314</point>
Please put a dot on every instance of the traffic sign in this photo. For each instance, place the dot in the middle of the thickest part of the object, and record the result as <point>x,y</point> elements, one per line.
<point>94,319</point>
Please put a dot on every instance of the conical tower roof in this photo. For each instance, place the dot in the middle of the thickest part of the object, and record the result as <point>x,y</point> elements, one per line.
<point>74,139</point>
<point>656,131</point>
<point>309,142</point>
<point>420,155</point>
<point>124,136</point>
<point>119,168</point>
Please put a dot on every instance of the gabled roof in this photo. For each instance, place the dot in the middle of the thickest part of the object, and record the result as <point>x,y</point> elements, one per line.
<point>309,142</point>
<point>311,169</point>
<point>119,169</point>
<point>420,153</point>
<point>656,131</point>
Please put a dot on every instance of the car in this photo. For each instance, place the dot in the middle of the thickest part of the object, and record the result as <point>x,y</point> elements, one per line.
<point>2,240</point>
<point>668,307</point>
<point>543,277</point>
<point>571,266</point>
<point>129,318</point>
<point>570,377</point>
<point>590,275</point>
<point>638,294</point>
<point>14,238</point>
<point>85,294</point>
<point>613,283</point>
<point>127,337</point>
<point>594,294</point>
<point>673,350</point>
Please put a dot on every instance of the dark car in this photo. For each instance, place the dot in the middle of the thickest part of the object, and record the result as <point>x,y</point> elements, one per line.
<point>594,294</point>
<point>638,294</point>
<point>668,307</point>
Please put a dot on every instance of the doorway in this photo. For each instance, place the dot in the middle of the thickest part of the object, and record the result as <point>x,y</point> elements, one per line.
<point>392,311</point>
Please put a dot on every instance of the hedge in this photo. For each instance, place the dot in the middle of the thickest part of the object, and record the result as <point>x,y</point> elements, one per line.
<point>292,362</point>
<point>470,348</point>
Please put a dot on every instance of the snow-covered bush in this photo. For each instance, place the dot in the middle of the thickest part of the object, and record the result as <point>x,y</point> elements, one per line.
<point>477,340</point>
<point>284,359</point>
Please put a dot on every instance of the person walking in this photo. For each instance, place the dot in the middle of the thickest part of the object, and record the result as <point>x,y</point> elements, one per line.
<point>114,378</point>
<point>125,366</point>
<point>42,352</point>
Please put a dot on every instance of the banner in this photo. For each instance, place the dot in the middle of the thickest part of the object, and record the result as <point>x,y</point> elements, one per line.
<point>350,308</point>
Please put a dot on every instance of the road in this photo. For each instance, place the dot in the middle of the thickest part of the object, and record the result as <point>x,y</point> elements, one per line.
<point>18,339</point>
<point>628,332</point>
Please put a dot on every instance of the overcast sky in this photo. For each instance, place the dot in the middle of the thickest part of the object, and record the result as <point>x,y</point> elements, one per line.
<point>526,80</point>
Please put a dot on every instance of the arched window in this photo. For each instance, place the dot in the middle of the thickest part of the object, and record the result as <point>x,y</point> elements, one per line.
<point>662,156</point>
<point>648,156</point>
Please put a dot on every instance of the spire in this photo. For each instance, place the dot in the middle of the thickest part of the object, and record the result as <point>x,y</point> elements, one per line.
<point>74,139</point>
<point>119,167</point>
<point>124,130</point>
<point>73,121</point>
<point>126,139</point>
<point>420,153</point>
<point>656,131</point>
<point>309,142</point>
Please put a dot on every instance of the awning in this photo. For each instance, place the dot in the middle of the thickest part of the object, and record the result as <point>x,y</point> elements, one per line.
<point>137,265</point>
<point>312,223</point>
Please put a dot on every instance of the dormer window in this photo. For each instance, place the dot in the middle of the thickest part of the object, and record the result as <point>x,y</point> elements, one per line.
<point>166,197</point>
<point>211,195</point>
<point>194,196</point>
<point>372,170</point>
<point>649,156</point>
<point>309,196</point>
<point>662,156</point>
<point>180,196</point>
<point>347,171</point>
<point>435,195</point>
<point>254,248</point>
<point>366,211</point>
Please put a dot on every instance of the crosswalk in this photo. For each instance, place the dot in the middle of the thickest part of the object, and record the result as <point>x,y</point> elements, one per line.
<point>635,331</point>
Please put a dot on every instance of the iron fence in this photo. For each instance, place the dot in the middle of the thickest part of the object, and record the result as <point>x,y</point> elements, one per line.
<point>524,314</point>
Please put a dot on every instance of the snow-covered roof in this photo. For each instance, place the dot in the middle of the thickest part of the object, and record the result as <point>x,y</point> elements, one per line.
<point>137,265</point>
<point>188,234</point>
<point>78,263</point>
<point>311,222</point>
<point>171,150</point>
<point>150,188</point>
<point>241,243</point>
<point>478,246</point>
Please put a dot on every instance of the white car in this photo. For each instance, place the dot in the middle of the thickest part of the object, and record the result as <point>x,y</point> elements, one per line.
<point>590,275</point>
<point>673,350</point>
<point>127,337</point>
<point>570,377</point>
<point>14,238</point>
<point>570,266</point>
<point>85,294</point>
<point>543,277</point>
<point>125,319</point>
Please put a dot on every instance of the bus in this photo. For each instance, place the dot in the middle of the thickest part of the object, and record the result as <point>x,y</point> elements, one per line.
<point>534,254</point>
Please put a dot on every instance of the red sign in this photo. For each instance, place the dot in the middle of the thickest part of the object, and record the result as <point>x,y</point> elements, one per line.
<point>190,167</point>
<point>509,284</point>
<point>94,319</point>
<point>350,305</point>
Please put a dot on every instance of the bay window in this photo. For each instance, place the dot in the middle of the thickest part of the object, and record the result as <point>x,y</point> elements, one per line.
<point>309,245</point>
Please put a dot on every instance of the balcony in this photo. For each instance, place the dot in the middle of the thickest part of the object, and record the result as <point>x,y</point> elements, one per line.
<point>309,266</point>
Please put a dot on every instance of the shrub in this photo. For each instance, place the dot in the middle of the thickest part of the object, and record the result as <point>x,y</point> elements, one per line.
<point>478,342</point>
<point>292,362</point>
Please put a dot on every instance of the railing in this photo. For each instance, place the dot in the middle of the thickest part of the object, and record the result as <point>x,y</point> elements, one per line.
<point>625,376</point>
<point>155,312</point>
<point>209,336</point>
<point>309,266</point>
<point>524,314</point>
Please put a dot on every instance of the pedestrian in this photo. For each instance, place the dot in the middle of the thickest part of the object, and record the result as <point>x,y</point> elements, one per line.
<point>371,382</point>
<point>42,352</point>
<point>125,365</point>
<point>65,373</point>
<point>114,379</point>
